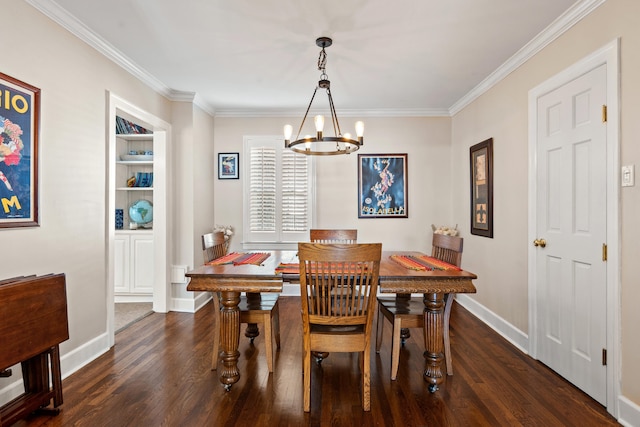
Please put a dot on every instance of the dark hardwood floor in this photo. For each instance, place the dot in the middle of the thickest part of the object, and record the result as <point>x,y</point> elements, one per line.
<point>158,374</point>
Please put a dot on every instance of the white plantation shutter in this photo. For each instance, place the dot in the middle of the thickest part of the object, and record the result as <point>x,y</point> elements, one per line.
<point>278,202</point>
<point>262,189</point>
<point>295,190</point>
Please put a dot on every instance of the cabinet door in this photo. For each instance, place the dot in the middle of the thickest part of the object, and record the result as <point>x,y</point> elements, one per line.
<point>142,264</point>
<point>121,264</point>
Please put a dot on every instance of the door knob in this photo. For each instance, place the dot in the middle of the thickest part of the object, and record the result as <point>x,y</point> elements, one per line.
<point>540,242</point>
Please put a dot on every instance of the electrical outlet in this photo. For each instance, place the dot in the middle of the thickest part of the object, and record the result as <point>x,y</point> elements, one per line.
<point>628,176</point>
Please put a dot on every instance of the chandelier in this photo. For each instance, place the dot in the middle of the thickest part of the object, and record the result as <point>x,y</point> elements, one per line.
<point>321,145</point>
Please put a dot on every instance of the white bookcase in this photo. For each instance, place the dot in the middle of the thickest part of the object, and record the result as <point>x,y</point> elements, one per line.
<point>133,244</point>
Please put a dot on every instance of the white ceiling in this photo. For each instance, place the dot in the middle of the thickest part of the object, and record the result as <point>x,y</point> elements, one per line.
<point>242,57</point>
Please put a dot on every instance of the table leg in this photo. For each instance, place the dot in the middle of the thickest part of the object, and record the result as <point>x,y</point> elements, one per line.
<point>229,338</point>
<point>433,324</point>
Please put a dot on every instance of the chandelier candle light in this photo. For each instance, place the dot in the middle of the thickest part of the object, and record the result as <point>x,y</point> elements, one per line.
<point>321,145</point>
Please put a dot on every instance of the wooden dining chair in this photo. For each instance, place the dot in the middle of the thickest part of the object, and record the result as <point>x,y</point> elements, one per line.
<point>335,321</point>
<point>319,235</point>
<point>254,308</point>
<point>333,235</point>
<point>403,311</point>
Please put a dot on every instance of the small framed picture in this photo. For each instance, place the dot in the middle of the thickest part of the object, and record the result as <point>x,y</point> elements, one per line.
<point>481,163</point>
<point>228,165</point>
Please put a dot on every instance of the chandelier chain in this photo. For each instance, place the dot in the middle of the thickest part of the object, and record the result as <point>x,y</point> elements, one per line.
<point>322,61</point>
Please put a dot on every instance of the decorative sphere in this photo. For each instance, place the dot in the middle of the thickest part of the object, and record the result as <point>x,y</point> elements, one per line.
<point>141,211</point>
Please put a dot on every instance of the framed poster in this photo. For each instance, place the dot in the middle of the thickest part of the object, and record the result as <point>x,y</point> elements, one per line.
<point>228,165</point>
<point>382,186</point>
<point>481,162</point>
<point>19,131</point>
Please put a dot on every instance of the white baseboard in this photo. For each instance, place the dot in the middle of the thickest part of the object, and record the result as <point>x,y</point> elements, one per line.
<point>509,332</point>
<point>133,298</point>
<point>628,412</point>
<point>190,305</point>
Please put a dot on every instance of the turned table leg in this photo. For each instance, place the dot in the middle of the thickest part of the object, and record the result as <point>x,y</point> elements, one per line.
<point>229,338</point>
<point>433,323</point>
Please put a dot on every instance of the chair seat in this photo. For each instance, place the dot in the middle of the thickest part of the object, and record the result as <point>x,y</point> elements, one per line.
<point>409,311</point>
<point>264,305</point>
<point>336,329</point>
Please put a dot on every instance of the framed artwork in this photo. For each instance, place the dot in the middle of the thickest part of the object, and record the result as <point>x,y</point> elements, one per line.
<point>228,165</point>
<point>19,132</point>
<point>382,186</point>
<point>481,162</point>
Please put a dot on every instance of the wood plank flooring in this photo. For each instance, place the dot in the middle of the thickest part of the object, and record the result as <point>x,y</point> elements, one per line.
<point>158,374</point>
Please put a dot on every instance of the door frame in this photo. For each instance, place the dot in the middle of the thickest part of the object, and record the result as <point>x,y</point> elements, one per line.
<point>162,227</point>
<point>609,55</point>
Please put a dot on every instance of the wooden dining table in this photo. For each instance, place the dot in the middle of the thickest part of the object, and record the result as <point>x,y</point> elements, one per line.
<point>231,280</point>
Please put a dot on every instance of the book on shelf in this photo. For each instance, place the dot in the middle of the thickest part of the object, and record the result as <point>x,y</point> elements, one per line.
<point>126,127</point>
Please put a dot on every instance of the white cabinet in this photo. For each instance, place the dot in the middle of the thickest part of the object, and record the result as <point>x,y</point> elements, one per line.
<point>134,266</point>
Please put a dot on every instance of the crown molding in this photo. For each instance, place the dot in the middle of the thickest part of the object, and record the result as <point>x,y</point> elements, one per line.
<point>399,112</point>
<point>548,35</point>
<point>558,27</point>
<point>59,15</point>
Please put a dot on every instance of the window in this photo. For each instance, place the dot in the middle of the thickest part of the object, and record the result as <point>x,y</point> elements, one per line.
<point>278,194</point>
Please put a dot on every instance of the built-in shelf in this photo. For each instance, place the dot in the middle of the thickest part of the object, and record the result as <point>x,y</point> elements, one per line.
<point>134,162</point>
<point>134,253</point>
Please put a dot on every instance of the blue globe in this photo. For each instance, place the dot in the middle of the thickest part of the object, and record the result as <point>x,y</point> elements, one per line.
<point>141,211</point>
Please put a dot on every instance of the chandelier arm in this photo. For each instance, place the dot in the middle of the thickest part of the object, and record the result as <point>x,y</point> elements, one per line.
<point>334,116</point>
<point>306,113</point>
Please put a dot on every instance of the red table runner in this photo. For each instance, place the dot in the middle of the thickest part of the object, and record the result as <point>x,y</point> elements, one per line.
<point>422,262</point>
<point>288,268</point>
<point>239,258</point>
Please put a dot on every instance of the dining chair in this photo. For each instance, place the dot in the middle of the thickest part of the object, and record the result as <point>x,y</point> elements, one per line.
<point>403,311</point>
<point>334,320</point>
<point>254,308</point>
<point>319,235</point>
<point>333,235</point>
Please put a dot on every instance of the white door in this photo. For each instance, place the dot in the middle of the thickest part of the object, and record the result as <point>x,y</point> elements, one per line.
<point>571,219</point>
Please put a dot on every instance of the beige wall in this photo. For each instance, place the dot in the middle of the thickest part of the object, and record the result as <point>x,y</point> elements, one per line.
<point>425,140</point>
<point>74,79</point>
<point>501,113</point>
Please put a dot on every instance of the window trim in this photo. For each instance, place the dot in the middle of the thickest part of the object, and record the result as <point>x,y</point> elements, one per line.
<point>248,241</point>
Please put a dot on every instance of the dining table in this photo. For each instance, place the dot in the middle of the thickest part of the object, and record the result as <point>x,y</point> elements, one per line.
<point>233,278</point>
